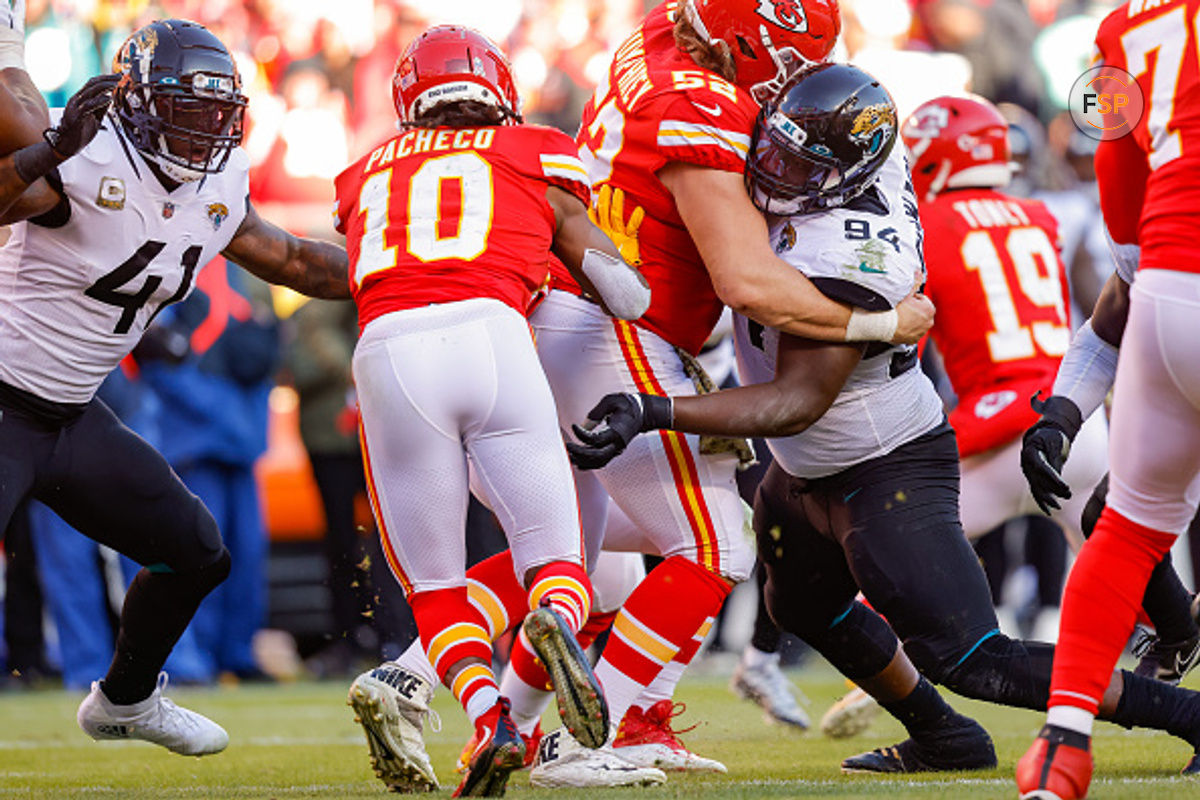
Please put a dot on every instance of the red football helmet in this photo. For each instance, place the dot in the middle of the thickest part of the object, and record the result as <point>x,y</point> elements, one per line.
<point>448,63</point>
<point>768,39</point>
<point>955,142</point>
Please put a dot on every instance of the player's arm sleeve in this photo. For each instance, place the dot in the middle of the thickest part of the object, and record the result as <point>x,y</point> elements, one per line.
<point>1121,173</point>
<point>559,165</point>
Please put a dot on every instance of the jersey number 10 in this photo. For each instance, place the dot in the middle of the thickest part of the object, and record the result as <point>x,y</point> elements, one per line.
<point>429,216</point>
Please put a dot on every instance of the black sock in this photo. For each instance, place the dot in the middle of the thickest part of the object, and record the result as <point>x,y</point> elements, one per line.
<point>1147,703</point>
<point>157,609</point>
<point>1168,604</point>
<point>923,711</point>
<point>766,635</point>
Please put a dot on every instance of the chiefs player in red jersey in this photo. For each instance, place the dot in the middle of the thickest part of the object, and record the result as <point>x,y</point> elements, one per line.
<point>1154,449</point>
<point>669,127</point>
<point>996,275</point>
<point>449,228</point>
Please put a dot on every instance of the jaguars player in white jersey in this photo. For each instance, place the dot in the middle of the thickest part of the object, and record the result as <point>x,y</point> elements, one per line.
<point>141,195</point>
<point>863,494</point>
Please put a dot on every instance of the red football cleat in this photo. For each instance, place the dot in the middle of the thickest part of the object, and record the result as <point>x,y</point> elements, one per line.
<point>647,739</point>
<point>1058,766</point>
<point>499,751</point>
<point>531,748</point>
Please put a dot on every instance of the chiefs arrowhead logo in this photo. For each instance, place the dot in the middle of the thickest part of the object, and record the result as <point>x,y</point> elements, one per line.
<point>789,14</point>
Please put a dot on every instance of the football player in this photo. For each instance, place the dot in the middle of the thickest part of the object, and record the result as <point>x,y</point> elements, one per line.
<point>135,200</point>
<point>987,251</point>
<point>1149,198</point>
<point>669,125</point>
<point>450,226</point>
<point>864,490</point>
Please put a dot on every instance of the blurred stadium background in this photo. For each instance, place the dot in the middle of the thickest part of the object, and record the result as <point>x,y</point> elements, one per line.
<point>318,77</point>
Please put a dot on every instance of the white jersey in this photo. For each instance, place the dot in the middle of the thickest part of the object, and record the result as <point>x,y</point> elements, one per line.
<point>867,254</point>
<point>75,299</point>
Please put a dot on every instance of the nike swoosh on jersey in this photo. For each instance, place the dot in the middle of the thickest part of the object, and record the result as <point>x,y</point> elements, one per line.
<point>714,110</point>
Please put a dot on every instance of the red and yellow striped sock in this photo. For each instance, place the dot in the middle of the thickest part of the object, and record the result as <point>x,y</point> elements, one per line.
<point>456,641</point>
<point>565,587</point>
<point>662,617</point>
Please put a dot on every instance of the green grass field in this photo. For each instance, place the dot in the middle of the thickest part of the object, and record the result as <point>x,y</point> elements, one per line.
<point>300,740</point>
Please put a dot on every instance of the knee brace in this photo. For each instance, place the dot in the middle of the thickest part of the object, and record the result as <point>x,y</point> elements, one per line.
<point>1000,670</point>
<point>858,642</point>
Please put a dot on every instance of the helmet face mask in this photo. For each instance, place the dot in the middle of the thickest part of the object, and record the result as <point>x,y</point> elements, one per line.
<point>180,101</point>
<point>821,143</point>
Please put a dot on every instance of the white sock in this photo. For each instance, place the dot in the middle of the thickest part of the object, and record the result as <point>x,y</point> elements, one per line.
<point>415,661</point>
<point>481,702</point>
<point>1071,718</point>
<point>662,687</point>
<point>753,658</point>
<point>528,702</point>
<point>620,690</point>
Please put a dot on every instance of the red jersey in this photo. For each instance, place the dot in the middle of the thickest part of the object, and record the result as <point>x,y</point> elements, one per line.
<point>436,215</point>
<point>655,107</point>
<point>1000,288</point>
<point>1157,42</point>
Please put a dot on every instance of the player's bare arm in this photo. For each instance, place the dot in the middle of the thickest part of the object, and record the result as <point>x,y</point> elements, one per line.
<point>808,377</point>
<point>24,192</point>
<point>1112,310</point>
<point>311,267</point>
<point>593,260</point>
<point>731,236</point>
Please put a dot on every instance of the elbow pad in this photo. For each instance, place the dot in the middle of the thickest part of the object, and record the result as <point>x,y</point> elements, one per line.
<point>621,287</point>
<point>1087,371</point>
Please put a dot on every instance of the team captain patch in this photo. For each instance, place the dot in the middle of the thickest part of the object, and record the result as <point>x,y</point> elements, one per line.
<point>218,213</point>
<point>111,194</point>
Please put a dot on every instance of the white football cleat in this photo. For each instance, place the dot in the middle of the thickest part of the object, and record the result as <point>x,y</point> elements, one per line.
<point>155,719</point>
<point>563,762</point>
<point>391,704</point>
<point>647,739</point>
<point>851,715</point>
<point>767,686</point>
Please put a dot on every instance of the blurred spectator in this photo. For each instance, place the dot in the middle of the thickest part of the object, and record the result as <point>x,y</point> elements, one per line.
<point>308,146</point>
<point>369,612</point>
<point>996,37</point>
<point>213,429</point>
<point>60,51</point>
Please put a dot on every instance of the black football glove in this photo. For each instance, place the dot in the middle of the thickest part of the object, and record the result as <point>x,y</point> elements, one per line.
<point>1045,447</point>
<point>79,123</point>
<point>82,116</point>
<point>615,420</point>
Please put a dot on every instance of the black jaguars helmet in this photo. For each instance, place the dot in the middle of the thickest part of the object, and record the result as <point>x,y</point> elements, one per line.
<point>180,99</point>
<point>820,141</point>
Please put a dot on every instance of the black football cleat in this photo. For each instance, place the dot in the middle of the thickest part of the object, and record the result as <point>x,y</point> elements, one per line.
<point>500,751</point>
<point>960,745</point>
<point>581,703</point>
